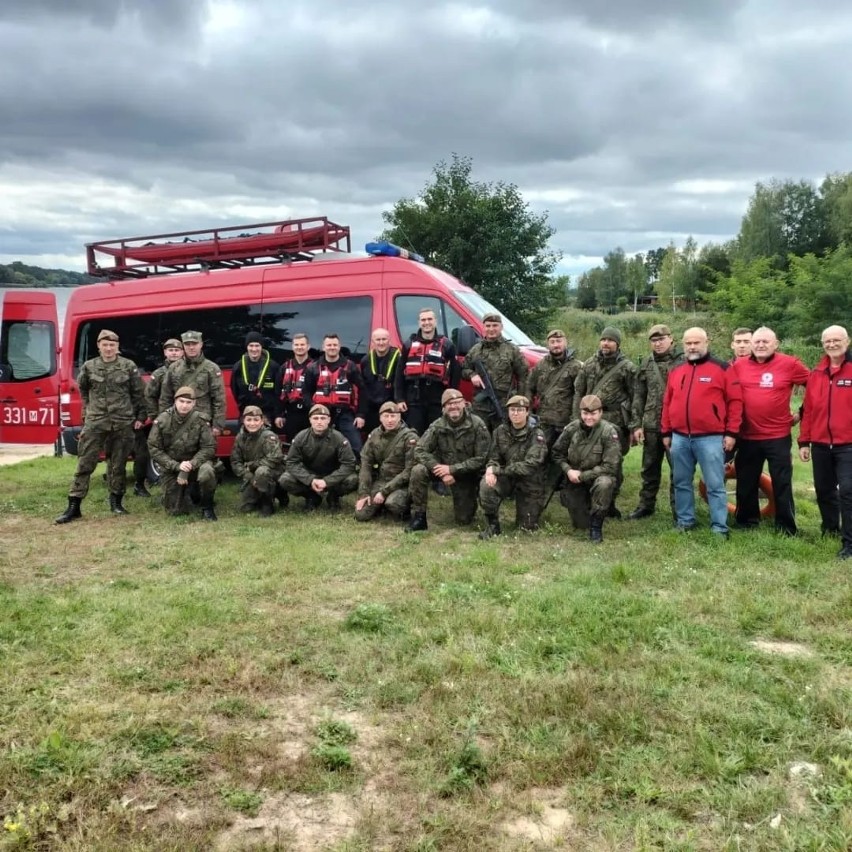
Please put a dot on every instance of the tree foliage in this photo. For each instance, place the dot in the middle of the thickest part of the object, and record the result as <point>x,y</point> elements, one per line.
<point>17,274</point>
<point>484,234</point>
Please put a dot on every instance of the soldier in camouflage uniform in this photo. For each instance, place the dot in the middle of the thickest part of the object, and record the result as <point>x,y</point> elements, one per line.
<point>172,351</point>
<point>182,444</point>
<point>504,363</point>
<point>258,460</point>
<point>551,382</point>
<point>647,410</point>
<point>113,406</point>
<point>453,451</point>
<point>386,461</point>
<point>589,453</point>
<point>516,465</point>
<point>320,461</point>
<point>200,374</point>
<point>610,376</point>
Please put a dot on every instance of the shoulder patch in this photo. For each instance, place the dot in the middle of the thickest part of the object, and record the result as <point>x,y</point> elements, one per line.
<point>412,441</point>
<point>540,439</point>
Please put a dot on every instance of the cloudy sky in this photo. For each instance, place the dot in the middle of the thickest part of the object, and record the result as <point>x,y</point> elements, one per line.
<point>632,122</point>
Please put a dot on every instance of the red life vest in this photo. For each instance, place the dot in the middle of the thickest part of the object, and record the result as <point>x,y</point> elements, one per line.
<point>426,360</point>
<point>334,387</point>
<point>293,380</point>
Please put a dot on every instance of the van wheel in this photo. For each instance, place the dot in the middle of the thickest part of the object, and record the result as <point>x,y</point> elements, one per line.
<point>153,473</point>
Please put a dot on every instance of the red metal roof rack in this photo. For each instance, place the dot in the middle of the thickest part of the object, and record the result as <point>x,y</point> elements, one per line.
<point>237,245</point>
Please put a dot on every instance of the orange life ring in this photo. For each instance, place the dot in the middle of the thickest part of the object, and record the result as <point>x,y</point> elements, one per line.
<point>764,486</point>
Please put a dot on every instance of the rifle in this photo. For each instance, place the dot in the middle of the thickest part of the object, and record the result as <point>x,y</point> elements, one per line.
<point>488,388</point>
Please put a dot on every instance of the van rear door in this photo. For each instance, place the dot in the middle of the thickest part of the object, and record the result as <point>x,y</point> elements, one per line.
<point>29,368</point>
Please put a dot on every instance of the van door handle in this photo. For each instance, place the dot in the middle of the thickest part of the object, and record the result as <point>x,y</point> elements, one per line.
<point>36,390</point>
<point>8,399</point>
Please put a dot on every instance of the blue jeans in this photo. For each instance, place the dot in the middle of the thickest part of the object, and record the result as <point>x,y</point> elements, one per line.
<point>709,453</point>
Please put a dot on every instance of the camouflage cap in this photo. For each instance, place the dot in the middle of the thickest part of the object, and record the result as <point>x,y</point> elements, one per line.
<point>591,402</point>
<point>492,317</point>
<point>556,332</point>
<point>106,334</point>
<point>185,392</point>
<point>518,400</point>
<point>611,333</point>
<point>191,337</point>
<point>319,409</point>
<point>659,330</point>
<point>252,411</point>
<point>389,407</point>
<point>172,343</point>
<point>449,395</point>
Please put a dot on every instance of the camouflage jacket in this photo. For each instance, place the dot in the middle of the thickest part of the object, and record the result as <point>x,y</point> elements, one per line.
<point>253,449</point>
<point>174,439</point>
<point>112,391</point>
<point>153,388</point>
<point>386,460</point>
<point>650,387</point>
<point>205,378</point>
<point>504,362</point>
<point>328,456</point>
<point>464,446</point>
<point>596,451</point>
<point>610,378</point>
<point>552,382</point>
<point>520,453</point>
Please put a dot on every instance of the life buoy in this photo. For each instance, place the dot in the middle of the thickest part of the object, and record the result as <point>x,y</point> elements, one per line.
<point>764,486</point>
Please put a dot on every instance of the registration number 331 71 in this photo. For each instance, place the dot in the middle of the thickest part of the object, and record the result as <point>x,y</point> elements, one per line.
<point>15,415</point>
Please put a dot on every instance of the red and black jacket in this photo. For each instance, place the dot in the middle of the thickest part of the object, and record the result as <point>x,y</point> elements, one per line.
<point>827,410</point>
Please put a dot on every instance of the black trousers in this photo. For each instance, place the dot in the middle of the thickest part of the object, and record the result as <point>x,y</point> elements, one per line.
<point>751,455</point>
<point>420,416</point>
<point>833,483</point>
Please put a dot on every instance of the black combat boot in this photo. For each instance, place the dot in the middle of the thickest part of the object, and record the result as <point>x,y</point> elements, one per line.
<point>266,507</point>
<point>332,503</point>
<point>596,520</point>
<point>115,504</point>
<point>614,512</point>
<point>72,512</point>
<point>417,523</point>
<point>492,527</point>
<point>312,503</point>
<point>140,490</point>
<point>207,509</point>
<point>282,496</point>
<point>640,512</point>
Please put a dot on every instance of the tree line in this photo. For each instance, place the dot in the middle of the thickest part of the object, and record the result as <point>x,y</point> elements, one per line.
<point>17,274</point>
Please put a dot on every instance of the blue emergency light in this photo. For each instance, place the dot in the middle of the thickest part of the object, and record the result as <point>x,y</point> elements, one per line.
<point>390,250</point>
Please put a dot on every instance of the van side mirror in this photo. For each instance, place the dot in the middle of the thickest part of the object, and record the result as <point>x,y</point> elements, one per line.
<point>465,337</point>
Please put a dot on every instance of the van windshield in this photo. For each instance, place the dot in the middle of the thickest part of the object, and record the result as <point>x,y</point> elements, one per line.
<point>479,307</point>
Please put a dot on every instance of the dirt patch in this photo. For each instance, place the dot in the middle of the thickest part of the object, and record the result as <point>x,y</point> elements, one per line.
<point>782,649</point>
<point>14,453</point>
<point>547,823</point>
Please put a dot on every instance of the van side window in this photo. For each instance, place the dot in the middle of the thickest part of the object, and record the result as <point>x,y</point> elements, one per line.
<point>407,310</point>
<point>29,349</point>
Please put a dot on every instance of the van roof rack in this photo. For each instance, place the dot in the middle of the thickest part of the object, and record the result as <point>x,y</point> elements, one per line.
<point>216,248</point>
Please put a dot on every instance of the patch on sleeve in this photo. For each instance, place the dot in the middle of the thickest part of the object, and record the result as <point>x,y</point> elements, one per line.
<point>539,439</point>
<point>615,436</point>
<point>412,442</point>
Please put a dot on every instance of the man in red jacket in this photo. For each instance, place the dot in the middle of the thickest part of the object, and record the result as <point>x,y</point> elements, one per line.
<point>702,413</point>
<point>826,435</point>
<point>767,378</point>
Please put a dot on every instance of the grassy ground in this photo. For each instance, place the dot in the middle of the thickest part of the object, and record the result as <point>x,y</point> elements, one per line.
<point>298,683</point>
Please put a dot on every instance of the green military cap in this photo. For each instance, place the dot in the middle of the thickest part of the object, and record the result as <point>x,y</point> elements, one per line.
<point>556,332</point>
<point>389,406</point>
<point>492,317</point>
<point>252,411</point>
<point>591,402</point>
<point>185,391</point>
<point>659,330</point>
<point>319,409</point>
<point>518,400</point>
<point>449,395</point>
<point>611,333</point>
<point>106,334</point>
<point>191,337</point>
<point>172,343</point>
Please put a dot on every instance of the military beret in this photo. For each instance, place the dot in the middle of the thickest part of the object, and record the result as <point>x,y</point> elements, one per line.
<point>492,318</point>
<point>319,409</point>
<point>611,333</point>
<point>172,342</point>
<point>185,391</point>
<point>106,334</point>
<point>252,411</point>
<point>191,337</point>
<point>591,402</point>
<point>519,400</point>
<point>450,394</point>
<point>556,332</point>
<point>659,330</point>
<point>389,406</point>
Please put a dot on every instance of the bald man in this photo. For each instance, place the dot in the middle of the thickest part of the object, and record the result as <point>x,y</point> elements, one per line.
<point>378,368</point>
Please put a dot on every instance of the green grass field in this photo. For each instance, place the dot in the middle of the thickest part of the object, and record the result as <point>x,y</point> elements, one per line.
<point>312,683</point>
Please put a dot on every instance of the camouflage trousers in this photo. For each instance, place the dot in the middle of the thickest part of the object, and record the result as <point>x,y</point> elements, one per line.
<point>653,454</point>
<point>486,411</point>
<point>176,497</point>
<point>464,493</point>
<point>263,483</point>
<point>586,498</point>
<point>396,504</point>
<point>529,498</point>
<point>291,485</point>
<point>115,444</point>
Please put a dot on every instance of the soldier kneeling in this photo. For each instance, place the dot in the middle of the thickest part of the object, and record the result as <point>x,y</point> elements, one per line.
<point>257,459</point>
<point>589,453</point>
<point>516,465</point>
<point>183,446</point>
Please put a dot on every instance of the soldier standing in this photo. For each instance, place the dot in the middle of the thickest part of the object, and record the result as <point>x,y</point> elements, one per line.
<point>183,446</point>
<point>516,466</point>
<point>453,451</point>
<point>293,410</point>
<point>505,364</point>
<point>320,461</point>
<point>113,406</point>
<point>254,379</point>
<point>551,383</point>
<point>258,460</point>
<point>647,409</point>
<point>589,453</point>
<point>200,374</point>
<point>610,376</point>
<point>386,462</point>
